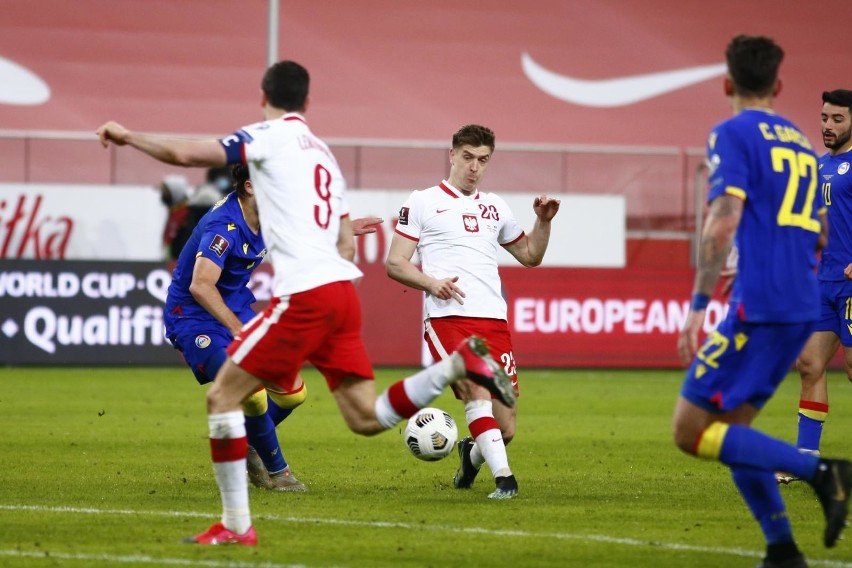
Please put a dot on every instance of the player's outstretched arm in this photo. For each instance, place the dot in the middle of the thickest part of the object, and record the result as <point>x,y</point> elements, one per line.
<point>530,249</point>
<point>169,150</point>
<point>365,225</point>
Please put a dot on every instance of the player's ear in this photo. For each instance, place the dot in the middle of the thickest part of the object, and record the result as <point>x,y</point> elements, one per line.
<point>263,99</point>
<point>777,88</point>
<point>728,85</point>
<point>450,154</point>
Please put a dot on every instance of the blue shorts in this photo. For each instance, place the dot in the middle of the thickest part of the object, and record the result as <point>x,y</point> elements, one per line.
<point>203,348</point>
<point>835,309</point>
<point>743,363</point>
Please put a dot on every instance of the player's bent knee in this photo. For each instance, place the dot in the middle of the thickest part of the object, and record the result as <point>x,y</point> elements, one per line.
<point>364,427</point>
<point>809,370</point>
<point>684,437</point>
<point>508,433</point>
<point>215,400</point>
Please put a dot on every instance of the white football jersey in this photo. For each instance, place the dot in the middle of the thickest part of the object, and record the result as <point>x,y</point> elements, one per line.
<point>459,235</point>
<point>301,197</point>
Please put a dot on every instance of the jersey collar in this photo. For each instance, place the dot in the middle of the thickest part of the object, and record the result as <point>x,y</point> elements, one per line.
<point>455,193</point>
<point>294,116</point>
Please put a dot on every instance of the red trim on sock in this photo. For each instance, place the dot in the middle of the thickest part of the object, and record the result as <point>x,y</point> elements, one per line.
<point>697,442</point>
<point>400,402</point>
<point>811,405</point>
<point>228,449</point>
<point>482,425</point>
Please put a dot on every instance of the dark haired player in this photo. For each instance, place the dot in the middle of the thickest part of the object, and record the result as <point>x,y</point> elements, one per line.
<point>207,304</point>
<point>763,194</point>
<point>834,327</point>
<point>315,314</point>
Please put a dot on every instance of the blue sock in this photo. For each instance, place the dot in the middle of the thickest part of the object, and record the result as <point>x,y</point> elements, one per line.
<point>745,447</point>
<point>760,492</point>
<point>277,413</point>
<point>810,432</point>
<point>260,431</point>
<point>812,416</point>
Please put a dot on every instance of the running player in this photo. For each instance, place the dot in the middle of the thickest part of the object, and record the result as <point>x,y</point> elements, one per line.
<point>315,315</point>
<point>763,191</point>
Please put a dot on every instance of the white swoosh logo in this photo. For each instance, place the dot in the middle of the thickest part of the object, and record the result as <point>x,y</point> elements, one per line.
<point>20,86</point>
<point>616,92</point>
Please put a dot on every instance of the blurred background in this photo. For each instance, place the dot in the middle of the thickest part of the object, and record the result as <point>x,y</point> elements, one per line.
<point>605,103</point>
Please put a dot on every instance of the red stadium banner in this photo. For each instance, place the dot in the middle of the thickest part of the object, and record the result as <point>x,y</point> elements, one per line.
<point>559,317</point>
<point>563,317</point>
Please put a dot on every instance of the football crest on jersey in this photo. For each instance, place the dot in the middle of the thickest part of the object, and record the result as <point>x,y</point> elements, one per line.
<point>403,216</point>
<point>471,224</point>
<point>844,167</point>
<point>202,341</point>
<point>219,245</point>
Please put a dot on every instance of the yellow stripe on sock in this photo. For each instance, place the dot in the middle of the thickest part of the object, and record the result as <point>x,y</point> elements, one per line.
<point>710,442</point>
<point>814,414</point>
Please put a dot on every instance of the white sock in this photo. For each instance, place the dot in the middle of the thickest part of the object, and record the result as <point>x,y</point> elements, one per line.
<point>385,413</point>
<point>231,475</point>
<point>403,398</point>
<point>425,386</point>
<point>489,447</point>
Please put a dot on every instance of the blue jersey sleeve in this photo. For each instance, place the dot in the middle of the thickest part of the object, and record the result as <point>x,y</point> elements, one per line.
<point>216,243</point>
<point>728,169</point>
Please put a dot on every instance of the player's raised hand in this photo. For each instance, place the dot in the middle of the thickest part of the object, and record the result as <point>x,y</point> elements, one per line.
<point>545,208</point>
<point>365,225</point>
<point>446,289</point>
<point>112,132</point>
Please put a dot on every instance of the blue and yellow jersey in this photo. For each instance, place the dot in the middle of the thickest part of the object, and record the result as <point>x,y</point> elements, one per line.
<point>763,159</point>
<point>836,185</point>
<point>223,237</point>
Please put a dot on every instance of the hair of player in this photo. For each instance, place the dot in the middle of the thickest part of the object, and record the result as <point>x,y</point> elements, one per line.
<point>473,135</point>
<point>753,63</point>
<point>240,175</point>
<point>838,97</point>
<point>285,85</point>
<point>216,172</point>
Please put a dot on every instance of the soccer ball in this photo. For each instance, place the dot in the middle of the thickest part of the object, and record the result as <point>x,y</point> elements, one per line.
<point>431,434</point>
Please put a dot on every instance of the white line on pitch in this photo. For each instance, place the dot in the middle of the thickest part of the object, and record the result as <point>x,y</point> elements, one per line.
<point>159,561</point>
<point>418,526</point>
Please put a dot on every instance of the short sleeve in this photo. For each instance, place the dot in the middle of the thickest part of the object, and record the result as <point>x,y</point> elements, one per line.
<point>510,229</point>
<point>728,163</point>
<point>216,243</point>
<point>409,220</point>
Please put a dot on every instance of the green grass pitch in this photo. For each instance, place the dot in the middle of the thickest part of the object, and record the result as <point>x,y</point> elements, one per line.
<point>110,467</point>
